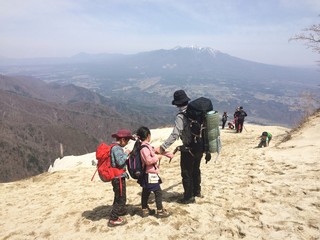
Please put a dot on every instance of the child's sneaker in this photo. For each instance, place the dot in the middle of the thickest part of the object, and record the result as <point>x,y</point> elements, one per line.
<point>147,212</point>
<point>162,213</point>
<point>120,221</point>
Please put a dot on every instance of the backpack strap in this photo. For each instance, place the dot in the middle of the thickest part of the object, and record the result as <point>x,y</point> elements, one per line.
<point>119,177</point>
<point>94,174</point>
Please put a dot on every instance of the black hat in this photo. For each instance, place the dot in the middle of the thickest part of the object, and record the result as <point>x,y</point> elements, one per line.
<point>180,97</point>
<point>264,134</point>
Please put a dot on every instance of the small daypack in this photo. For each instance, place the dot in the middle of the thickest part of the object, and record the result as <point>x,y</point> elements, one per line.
<point>105,170</point>
<point>134,163</point>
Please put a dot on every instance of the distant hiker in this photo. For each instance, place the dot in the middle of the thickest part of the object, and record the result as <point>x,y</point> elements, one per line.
<point>241,118</point>
<point>265,139</point>
<point>190,154</point>
<point>118,159</point>
<point>235,116</point>
<point>150,180</point>
<point>230,125</point>
<point>240,115</point>
<point>224,119</point>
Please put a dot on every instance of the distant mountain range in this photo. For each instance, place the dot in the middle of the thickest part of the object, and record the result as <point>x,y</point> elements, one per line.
<point>81,100</point>
<point>270,94</point>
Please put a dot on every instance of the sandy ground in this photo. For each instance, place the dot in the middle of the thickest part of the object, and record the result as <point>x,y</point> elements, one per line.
<point>249,193</point>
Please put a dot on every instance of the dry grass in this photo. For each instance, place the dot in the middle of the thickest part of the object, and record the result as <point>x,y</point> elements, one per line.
<point>299,125</point>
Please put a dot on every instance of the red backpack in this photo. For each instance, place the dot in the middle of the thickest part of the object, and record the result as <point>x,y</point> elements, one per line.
<point>104,168</point>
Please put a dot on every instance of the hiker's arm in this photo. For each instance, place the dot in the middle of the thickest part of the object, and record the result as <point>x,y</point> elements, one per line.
<point>176,132</point>
<point>120,156</point>
<point>148,157</point>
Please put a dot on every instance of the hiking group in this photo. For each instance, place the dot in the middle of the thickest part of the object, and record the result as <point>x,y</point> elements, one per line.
<point>238,122</point>
<point>190,123</point>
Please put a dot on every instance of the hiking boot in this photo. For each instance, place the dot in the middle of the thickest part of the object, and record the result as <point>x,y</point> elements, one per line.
<point>147,212</point>
<point>199,195</point>
<point>122,213</point>
<point>162,213</point>
<point>187,201</point>
<point>120,221</point>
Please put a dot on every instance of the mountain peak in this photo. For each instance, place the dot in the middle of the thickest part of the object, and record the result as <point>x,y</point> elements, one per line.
<point>198,49</point>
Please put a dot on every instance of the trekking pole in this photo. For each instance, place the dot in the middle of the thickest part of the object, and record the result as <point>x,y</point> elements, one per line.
<point>245,128</point>
<point>174,152</point>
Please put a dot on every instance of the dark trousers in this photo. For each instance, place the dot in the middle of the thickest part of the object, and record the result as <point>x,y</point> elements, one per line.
<point>223,124</point>
<point>190,173</point>
<point>145,197</point>
<point>236,125</point>
<point>120,198</point>
<point>240,125</point>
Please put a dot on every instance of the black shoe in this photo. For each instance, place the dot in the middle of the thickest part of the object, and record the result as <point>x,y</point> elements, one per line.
<point>199,195</point>
<point>187,201</point>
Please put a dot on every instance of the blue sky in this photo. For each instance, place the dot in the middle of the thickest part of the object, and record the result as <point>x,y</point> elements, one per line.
<point>256,30</point>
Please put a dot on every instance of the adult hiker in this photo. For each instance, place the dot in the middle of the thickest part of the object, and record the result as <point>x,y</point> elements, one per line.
<point>118,160</point>
<point>235,116</point>
<point>240,116</point>
<point>265,139</point>
<point>191,154</point>
<point>224,119</point>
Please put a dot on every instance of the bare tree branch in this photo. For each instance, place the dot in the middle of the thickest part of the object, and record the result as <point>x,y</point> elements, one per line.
<point>311,37</point>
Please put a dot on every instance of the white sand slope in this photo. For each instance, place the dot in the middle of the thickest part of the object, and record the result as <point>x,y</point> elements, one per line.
<point>249,193</point>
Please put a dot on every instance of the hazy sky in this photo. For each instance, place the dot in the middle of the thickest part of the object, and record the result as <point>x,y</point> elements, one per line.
<point>256,30</point>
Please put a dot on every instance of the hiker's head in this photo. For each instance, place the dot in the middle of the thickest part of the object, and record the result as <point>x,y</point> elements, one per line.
<point>241,108</point>
<point>264,135</point>
<point>123,136</point>
<point>143,133</point>
<point>180,98</point>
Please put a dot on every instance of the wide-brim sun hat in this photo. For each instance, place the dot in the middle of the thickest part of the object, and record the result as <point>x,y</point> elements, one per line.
<point>123,133</point>
<point>180,97</point>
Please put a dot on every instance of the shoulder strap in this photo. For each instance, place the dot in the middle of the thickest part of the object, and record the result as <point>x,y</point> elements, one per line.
<point>142,146</point>
<point>145,166</point>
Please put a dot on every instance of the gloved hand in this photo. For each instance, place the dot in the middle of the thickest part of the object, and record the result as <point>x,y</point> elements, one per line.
<point>208,157</point>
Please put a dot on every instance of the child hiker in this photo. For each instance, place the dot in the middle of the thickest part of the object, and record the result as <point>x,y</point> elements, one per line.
<point>118,160</point>
<point>150,180</point>
<point>265,139</point>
